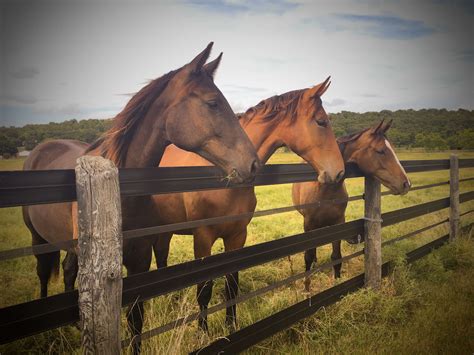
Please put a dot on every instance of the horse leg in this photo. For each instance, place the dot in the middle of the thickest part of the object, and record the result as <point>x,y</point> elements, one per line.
<point>237,241</point>
<point>161,249</point>
<point>203,240</point>
<point>70,268</point>
<point>137,260</point>
<point>46,264</point>
<point>310,258</point>
<point>336,254</point>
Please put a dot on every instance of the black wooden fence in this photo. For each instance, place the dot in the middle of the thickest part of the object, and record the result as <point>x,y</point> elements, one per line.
<point>26,188</point>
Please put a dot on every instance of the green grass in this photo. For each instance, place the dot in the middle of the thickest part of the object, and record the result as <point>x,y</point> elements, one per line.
<point>412,308</point>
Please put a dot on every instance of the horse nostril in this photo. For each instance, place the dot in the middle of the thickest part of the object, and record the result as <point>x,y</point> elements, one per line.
<point>407,185</point>
<point>340,176</point>
<point>254,168</point>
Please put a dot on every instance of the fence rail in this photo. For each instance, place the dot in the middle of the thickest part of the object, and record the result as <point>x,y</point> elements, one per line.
<point>19,188</point>
<point>34,187</point>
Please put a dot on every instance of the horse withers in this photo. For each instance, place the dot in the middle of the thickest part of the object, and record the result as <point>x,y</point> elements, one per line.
<point>371,152</point>
<point>183,107</point>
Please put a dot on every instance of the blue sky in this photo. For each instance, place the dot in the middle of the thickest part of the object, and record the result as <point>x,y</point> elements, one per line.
<point>80,59</point>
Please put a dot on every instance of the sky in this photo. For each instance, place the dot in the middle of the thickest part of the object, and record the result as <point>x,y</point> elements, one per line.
<point>73,59</point>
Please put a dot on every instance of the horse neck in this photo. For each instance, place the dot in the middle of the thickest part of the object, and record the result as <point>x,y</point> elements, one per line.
<point>263,137</point>
<point>148,143</point>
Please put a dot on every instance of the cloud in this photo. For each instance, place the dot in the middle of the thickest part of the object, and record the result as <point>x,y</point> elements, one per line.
<point>229,88</point>
<point>388,27</point>
<point>466,55</point>
<point>370,95</point>
<point>25,73</point>
<point>20,114</point>
<point>335,102</point>
<point>233,7</point>
<point>238,107</point>
<point>73,109</point>
<point>10,99</point>
<point>70,109</point>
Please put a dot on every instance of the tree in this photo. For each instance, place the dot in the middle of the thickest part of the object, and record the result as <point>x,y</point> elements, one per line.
<point>430,141</point>
<point>465,139</point>
<point>7,146</point>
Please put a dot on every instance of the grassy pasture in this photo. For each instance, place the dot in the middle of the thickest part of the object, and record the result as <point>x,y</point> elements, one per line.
<point>428,305</point>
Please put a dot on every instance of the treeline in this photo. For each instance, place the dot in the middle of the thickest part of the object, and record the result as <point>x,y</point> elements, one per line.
<point>428,128</point>
<point>29,136</point>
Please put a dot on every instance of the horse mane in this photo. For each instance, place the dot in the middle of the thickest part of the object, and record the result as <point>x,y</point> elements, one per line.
<point>342,141</point>
<point>351,137</point>
<point>114,143</point>
<point>275,108</point>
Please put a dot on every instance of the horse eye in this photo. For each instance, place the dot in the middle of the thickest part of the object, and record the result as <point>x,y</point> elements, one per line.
<point>322,123</point>
<point>381,152</point>
<point>212,103</point>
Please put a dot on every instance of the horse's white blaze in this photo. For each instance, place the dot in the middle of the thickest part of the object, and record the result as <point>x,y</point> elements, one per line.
<point>389,146</point>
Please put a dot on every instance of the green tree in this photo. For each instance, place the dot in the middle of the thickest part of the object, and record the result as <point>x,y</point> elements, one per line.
<point>430,141</point>
<point>7,146</point>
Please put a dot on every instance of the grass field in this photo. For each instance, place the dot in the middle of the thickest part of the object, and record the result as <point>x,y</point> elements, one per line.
<point>426,307</point>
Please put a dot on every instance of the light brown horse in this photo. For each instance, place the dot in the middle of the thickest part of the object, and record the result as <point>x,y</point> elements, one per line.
<point>295,119</point>
<point>183,107</point>
<point>372,153</point>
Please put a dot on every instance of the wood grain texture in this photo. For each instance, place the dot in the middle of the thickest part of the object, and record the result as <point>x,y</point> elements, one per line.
<point>99,254</point>
<point>453,197</point>
<point>373,233</point>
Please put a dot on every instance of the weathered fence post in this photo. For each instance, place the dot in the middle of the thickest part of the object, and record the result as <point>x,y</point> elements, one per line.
<point>372,233</point>
<point>453,197</point>
<point>99,254</point>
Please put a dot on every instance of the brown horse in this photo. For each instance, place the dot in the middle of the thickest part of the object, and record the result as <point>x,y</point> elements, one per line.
<point>373,154</point>
<point>295,119</point>
<point>183,107</point>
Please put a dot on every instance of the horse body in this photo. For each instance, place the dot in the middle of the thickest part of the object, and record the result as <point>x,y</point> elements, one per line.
<point>285,120</point>
<point>372,153</point>
<point>55,221</point>
<point>183,107</point>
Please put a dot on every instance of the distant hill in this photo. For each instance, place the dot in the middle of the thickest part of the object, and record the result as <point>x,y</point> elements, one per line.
<point>427,128</point>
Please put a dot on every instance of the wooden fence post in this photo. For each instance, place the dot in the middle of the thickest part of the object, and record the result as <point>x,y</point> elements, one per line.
<point>372,233</point>
<point>453,197</point>
<point>99,254</point>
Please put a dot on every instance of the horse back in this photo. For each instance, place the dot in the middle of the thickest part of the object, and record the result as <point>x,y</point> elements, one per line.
<point>52,222</point>
<point>53,155</point>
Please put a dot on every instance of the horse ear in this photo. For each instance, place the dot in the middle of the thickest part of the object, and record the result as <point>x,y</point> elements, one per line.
<point>387,126</point>
<point>377,130</point>
<point>318,90</point>
<point>324,86</point>
<point>197,63</point>
<point>211,67</point>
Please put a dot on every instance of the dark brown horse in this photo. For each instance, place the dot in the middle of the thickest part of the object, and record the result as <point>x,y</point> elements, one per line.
<point>373,154</point>
<point>296,119</point>
<point>183,107</point>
